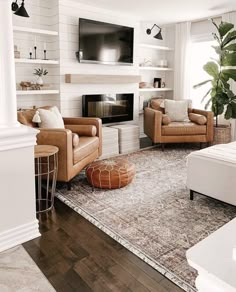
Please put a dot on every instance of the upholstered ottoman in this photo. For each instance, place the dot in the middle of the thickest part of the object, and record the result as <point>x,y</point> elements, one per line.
<point>212,171</point>
<point>111,173</point>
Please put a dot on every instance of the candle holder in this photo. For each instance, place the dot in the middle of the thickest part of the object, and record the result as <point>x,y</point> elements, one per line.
<point>35,52</point>
<point>45,54</point>
<point>30,55</point>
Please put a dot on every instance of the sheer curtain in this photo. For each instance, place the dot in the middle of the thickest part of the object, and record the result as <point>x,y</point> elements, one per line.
<point>231,17</point>
<point>182,47</point>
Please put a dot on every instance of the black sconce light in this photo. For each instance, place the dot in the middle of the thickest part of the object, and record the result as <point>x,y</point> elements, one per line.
<point>20,11</point>
<point>158,35</point>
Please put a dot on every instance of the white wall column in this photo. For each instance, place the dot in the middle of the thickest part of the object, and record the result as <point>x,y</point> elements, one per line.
<point>8,117</point>
<point>18,221</point>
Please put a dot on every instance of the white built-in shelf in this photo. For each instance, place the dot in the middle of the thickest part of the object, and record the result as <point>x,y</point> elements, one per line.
<point>35,31</point>
<point>156,47</point>
<point>155,89</point>
<point>155,68</point>
<point>34,92</point>
<point>36,61</point>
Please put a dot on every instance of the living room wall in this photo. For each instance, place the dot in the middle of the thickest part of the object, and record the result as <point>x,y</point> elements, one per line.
<point>71,94</point>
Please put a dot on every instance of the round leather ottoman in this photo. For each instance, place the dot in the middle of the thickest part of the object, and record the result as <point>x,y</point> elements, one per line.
<point>110,174</point>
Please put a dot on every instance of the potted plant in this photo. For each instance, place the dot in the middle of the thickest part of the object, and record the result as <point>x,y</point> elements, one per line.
<point>40,72</point>
<point>220,96</point>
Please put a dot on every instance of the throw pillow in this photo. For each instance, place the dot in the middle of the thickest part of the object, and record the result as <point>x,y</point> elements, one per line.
<point>75,140</point>
<point>166,120</point>
<point>50,118</point>
<point>198,119</point>
<point>177,110</point>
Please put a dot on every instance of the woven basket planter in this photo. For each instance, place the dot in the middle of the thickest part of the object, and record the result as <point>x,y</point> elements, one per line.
<point>222,134</point>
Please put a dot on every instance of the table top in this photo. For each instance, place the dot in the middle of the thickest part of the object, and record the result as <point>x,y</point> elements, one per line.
<point>214,254</point>
<point>44,150</point>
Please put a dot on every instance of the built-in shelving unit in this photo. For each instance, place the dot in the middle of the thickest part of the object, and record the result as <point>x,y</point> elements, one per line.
<point>36,61</point>
<point>36,92</point>
<point>154,89</point>
<point>155,68</point>
<point>35,31</point>
<point>162,48</point>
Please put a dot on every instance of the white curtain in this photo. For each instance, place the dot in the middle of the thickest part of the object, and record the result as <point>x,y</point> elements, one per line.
<point>231,17</point>
<point>182,56</point>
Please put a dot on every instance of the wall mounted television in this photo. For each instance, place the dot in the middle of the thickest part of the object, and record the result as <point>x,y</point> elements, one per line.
<point>105,43</point>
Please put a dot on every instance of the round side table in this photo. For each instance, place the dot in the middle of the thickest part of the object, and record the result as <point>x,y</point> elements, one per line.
<point>46,164</point>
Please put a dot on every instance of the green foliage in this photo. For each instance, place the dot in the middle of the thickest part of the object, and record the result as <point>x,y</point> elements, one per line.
<point>221,98</point>
<point>40,72</point>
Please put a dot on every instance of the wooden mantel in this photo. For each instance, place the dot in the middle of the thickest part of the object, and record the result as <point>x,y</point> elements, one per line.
<point>101,79</point>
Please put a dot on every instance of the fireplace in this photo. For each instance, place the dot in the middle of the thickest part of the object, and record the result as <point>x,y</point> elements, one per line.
<point>111,108</point>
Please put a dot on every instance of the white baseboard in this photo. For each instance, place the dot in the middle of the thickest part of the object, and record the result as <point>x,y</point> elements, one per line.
<point>19,235</point>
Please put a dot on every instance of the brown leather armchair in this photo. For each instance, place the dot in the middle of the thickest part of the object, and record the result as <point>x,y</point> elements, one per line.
<point>176,132</point>
<point>71,159</point>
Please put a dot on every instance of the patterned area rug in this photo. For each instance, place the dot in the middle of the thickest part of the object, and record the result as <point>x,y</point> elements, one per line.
<point>153,216</point>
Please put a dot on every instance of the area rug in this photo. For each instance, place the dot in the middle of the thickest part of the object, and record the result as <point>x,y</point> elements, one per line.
<point>153,216</point>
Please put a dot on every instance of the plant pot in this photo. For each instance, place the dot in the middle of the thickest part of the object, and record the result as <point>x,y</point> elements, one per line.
<point>222,134</point>
<point>39,81</point>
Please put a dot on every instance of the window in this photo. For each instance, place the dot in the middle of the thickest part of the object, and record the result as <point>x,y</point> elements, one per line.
<point>201,53</point>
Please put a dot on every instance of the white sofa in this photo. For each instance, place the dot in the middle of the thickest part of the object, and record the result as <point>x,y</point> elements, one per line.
<point>212,172</point>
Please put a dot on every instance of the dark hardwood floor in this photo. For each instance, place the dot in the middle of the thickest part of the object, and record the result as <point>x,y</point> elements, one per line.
<point>74,255</point>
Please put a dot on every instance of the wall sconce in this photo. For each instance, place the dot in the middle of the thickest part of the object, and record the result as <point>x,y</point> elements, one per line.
<point>158,35</point>
<point>20,11</point>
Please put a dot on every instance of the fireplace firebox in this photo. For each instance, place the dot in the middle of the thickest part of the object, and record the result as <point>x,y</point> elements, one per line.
<point>111,108</point>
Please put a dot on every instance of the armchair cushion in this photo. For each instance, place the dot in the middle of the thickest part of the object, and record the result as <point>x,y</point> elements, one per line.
<point>177,110</point>
<point>75,140</point>
<point>198,119</point>
<point>83,130</point>
<point>158,104</point>
<point>166,120</point>
<point>87,145</point>
<point>49,118</point>
<point>182,129</point>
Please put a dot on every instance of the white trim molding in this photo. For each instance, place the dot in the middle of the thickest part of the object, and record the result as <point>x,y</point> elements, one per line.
<point>19,235</point>
<point>17,137</point>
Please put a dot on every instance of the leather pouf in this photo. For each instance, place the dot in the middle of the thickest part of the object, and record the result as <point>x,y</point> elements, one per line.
<point>110,173</point>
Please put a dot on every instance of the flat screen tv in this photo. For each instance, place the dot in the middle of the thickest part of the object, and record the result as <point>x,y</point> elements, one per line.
<point>105,43</point>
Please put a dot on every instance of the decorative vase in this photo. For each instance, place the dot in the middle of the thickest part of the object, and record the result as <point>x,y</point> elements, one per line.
<point>39,80</point>
<point>222,134</point>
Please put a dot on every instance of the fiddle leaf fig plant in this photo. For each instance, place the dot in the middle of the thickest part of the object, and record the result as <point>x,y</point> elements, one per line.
<point>220,96</point>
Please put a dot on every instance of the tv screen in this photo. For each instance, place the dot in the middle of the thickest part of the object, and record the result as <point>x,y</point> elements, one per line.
<point>105,43</point>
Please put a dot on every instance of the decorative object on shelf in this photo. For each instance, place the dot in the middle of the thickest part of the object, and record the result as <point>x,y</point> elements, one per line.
<point>30,53</point>
<point>45,51</point>
<point>158,35</point>
<point>16,52</point>
<point>144,85</point>
<point>163,84</point>
<point>20,11</point>
<point>162,64</point>
<point>40,72</point>
<point>157,83</point>
<point>26,85</point>
<point>146,63</point>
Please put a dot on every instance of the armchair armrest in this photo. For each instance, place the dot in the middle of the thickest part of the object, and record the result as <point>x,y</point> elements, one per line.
<point>152,124</point>
<point>210,122</point>
<point>62,138</point>
<point>87,121</point>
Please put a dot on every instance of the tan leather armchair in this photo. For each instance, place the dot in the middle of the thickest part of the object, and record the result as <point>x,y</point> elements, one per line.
<point>176,132</point>
<point>71,159</point>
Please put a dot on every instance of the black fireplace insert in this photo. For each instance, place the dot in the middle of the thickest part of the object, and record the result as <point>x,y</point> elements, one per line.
<point>111,108</point>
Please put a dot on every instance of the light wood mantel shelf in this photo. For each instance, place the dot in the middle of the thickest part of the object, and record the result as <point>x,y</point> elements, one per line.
<point>101,79</point>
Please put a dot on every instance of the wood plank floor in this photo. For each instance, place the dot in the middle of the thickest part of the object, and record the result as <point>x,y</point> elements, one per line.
<point>75,255</point>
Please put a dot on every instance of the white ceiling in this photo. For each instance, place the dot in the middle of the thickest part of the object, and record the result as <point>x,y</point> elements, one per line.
<point>166,11</point>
